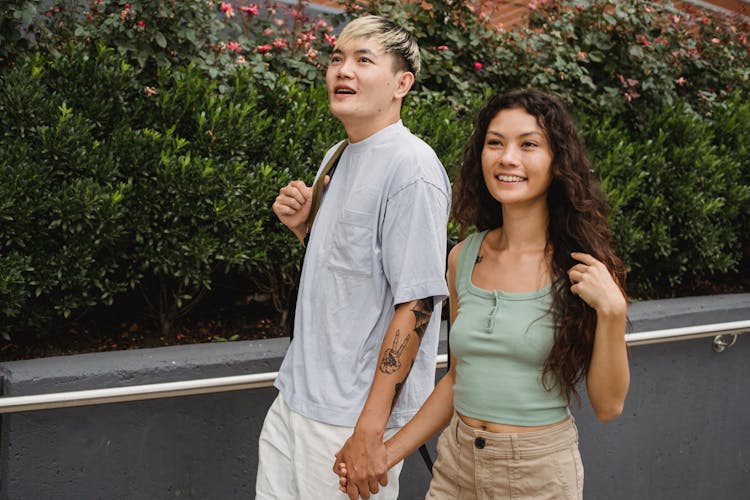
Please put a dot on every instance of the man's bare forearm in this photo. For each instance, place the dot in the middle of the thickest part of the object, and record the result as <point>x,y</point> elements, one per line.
<point>397,354</point>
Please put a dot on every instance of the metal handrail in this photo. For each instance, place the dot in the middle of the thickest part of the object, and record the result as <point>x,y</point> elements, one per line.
<point>13,404</point>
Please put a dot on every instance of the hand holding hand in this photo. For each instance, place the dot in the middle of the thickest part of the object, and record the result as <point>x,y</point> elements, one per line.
<point>362,466</point>
<point>592,281</point>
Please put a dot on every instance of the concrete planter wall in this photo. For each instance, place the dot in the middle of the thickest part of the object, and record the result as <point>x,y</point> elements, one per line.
<point>684,433</point>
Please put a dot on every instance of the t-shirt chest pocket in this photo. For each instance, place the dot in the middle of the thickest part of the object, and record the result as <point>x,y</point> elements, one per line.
<point>352,243</point>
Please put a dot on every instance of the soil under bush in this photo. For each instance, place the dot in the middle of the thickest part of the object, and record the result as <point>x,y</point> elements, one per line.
<point>227,314</point>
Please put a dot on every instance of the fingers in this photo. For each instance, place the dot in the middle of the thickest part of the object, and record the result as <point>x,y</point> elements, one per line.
<point>353,492</point>
<point>383,479</point>
<point>343,480</point>
<point>291,198</point>
<point>374,486</point>
<point>584,257</point>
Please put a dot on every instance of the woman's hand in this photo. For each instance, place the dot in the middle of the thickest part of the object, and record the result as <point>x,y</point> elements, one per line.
<point>340,469</point>
<point>592,281</point>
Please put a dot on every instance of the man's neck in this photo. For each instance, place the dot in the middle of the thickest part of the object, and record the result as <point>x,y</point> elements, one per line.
<point>360,131</point>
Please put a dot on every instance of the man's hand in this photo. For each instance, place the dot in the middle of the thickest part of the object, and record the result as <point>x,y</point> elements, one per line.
<point>366,466</point>
<point>292,206</point>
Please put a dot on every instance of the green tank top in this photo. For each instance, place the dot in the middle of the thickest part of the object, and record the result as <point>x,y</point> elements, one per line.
<point>500,341</point>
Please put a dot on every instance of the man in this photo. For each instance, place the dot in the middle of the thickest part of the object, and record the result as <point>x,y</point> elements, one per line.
<point>368,310</point>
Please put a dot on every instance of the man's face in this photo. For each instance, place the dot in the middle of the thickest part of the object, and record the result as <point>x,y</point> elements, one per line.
<point>362,84</point>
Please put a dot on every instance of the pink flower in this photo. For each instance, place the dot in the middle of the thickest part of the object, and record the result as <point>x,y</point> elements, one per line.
<point>442,47</point>
<point>681,81</point>
<point>312,54</point>
<point>331,39</point>
<point>150,91</point>
<point>478,66</point>
<point>263,48</point>
<point>642,40</point>
<point>280,43</point>
<point>715,40</point>
<point>142,24</point>
<point>227,9</point>
<point>297,14</point>
<point>581,55</point>
<point>250,10</point>
<point>234,46</point>
<point>241,60</point>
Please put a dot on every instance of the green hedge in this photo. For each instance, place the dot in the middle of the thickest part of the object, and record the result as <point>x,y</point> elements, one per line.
<point>678,189</point>
<point>117,179</point>
<point>107,188</point>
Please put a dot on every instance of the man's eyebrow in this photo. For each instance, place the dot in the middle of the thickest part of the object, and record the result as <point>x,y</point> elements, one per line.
<point>337,50</point>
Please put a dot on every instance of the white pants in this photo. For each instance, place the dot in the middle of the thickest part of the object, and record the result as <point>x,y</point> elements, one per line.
<point>295,458</point>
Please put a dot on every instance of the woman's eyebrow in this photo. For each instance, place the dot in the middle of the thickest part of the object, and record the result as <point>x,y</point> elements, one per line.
<point>524,134</point>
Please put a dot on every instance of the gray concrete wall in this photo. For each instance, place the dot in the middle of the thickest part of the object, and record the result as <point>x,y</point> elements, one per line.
<point>684,433</point>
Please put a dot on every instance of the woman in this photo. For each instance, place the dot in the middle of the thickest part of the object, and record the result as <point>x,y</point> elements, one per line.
<point>537,305</point>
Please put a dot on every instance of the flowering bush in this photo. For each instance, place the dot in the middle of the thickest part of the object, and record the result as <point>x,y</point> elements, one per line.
<point>602,55</point>
<point>627,55</point>
<point>215,36</point>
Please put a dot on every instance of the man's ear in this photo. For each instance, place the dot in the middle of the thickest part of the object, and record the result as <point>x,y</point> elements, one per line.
<point>403,85</point>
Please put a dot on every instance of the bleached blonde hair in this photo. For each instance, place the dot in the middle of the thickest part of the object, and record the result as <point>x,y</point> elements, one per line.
<point>393,38</point>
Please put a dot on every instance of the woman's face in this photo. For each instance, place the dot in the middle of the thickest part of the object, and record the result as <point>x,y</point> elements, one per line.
<point>516,159</point>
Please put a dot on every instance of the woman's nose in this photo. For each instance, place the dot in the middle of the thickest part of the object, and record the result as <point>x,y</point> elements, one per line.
<point>509,156</point>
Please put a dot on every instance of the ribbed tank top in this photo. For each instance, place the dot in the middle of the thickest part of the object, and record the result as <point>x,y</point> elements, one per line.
<point>500,341</point>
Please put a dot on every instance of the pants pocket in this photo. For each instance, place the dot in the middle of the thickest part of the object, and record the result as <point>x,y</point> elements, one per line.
<point>447,467</point>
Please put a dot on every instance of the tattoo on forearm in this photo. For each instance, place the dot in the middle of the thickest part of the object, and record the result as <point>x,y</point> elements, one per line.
<point>422,312</point>
<point>392,357</point>
<point>479,260</point>
<point>400,386</point>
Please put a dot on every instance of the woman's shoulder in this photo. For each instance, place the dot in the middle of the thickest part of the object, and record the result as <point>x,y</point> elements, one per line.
<point>469,242</point>
<point>454,254</point>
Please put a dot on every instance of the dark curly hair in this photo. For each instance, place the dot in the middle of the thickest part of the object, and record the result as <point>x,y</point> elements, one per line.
<point>577,223</point>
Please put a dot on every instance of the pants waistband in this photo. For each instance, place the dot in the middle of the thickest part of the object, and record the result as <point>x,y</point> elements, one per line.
<point>518,444</point>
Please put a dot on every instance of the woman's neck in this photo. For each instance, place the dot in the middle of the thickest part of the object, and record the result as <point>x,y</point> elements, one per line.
<point>524,229</point>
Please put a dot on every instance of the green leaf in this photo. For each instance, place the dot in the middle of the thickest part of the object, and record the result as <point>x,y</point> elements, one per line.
<point>160,40</point>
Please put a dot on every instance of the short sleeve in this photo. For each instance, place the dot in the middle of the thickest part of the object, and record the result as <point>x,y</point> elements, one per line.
<point>414,242</point>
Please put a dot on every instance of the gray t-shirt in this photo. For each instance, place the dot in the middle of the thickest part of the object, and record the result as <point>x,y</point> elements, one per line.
<point>379,239</point>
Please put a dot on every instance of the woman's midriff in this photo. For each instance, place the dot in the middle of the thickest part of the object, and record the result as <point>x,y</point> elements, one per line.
<point>504,428</point>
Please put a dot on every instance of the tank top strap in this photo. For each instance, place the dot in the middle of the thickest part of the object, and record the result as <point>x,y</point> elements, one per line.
<point>466,260</point>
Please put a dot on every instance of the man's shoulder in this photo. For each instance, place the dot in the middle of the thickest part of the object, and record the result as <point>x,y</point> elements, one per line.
<point>409,154</point>
<point>415,144</point>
